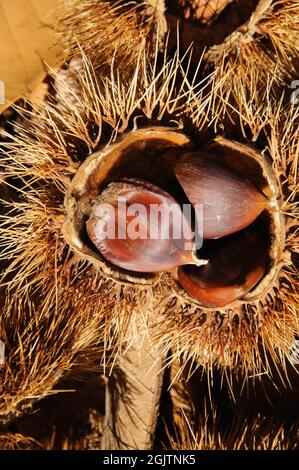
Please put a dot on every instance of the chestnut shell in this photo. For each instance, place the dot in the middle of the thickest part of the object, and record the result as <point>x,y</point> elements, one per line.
<point>135,153</point>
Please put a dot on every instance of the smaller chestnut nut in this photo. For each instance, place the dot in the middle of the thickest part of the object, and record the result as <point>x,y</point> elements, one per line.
<point>230,203</point>
<point>236,265</point>
<point>133,225</point>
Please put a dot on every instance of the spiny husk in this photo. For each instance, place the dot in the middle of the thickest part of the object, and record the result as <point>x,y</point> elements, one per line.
<point>255,331</point>
<point>72,419</point>
<point>260,56</point>
<point>43,335</point>
<point>244,434</point>
<point>58,306</point>
<point>11,441</point>
<point>211,412</point>
<point>108,29</point>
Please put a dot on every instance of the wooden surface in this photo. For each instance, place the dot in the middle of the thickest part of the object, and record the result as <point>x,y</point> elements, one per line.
<point>27,40</point>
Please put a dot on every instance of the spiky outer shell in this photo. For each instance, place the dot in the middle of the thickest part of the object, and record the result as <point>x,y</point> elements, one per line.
<point>249,37</point>
<point>257,434</point>
<point>262,54</point>
<point>246,434</point>
<point>220,414</point>
<point>59,309</point>
<point>130,27</point>
<point>12,441</point>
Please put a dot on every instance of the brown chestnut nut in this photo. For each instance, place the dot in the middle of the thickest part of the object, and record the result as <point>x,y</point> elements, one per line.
<point>230,203</point>
<point>139,227</point>
<point>235,266</point>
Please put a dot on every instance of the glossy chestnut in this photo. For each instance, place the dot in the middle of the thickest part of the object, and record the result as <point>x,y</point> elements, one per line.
<point>139,227</point>
<point>229,201</point>
<point>236,264</point>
